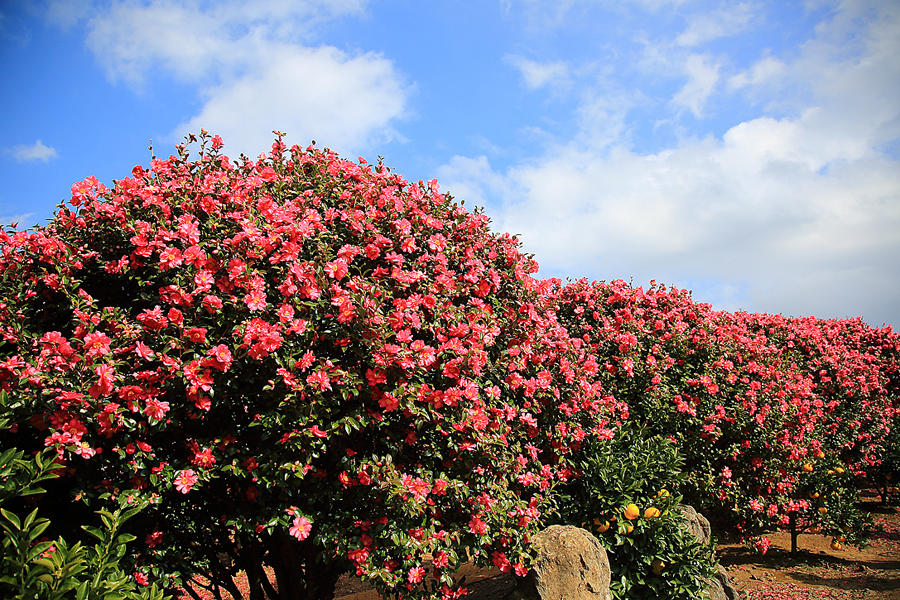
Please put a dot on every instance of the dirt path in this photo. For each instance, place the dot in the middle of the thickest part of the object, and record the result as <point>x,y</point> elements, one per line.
<point>818,571</point>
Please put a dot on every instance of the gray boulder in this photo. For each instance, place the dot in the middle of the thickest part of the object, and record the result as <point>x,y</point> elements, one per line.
<point>696,524</point>
<point>720,586</point>
<point>571,565</point>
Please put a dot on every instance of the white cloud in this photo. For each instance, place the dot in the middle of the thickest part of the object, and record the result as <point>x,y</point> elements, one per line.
<point>706,26</point>
<point>36,151</point>
<point>21,220</point>
<point>539,74</point>
<point>798,213</point>
<point>766,71</point>
<point>473,179</point>
<point>67,13</point>
<point>256,68</point>
<point>192,39</point>
<point>312,94</point>
<point>702,79</point>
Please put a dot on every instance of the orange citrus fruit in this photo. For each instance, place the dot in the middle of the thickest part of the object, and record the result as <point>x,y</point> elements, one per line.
<point>632,512</point>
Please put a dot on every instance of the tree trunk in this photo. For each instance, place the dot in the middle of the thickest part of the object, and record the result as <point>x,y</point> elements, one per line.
<point>297,573</point>
<point>794,533</point>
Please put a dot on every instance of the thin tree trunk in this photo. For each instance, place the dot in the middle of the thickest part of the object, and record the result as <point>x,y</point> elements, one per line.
<point>794,533</point>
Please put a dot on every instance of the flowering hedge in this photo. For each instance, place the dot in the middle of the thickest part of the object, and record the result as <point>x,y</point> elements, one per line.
<point>299,362</point>
<point>308,364</point>
<point>779,419</point>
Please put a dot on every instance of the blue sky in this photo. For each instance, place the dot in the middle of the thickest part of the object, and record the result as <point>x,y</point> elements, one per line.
<point>745,150</point>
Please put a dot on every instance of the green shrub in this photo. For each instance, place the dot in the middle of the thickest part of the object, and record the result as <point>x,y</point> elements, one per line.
<point>36,568</point>
<point>651,553</point>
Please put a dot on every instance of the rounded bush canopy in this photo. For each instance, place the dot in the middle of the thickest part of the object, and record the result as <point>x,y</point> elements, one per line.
<point>292,360</point>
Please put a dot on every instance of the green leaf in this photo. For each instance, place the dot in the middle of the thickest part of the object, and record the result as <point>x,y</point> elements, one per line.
<point>38,549</point>
<point>12,518</point>
<point>93,531</point>
<point>38,528</point>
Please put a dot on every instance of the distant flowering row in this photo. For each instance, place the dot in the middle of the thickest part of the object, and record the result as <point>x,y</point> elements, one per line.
<point>778,418</point>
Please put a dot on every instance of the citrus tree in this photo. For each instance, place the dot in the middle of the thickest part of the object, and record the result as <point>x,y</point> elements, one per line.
<point>302,365</point>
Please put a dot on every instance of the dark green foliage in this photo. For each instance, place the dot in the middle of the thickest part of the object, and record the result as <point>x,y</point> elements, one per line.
<point>651,555</point>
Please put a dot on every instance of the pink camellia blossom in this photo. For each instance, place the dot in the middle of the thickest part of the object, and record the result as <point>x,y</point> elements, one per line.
<point>156,409</point>
<point>203,458</point>
<point>185,480</point>
<point>318,432</point>
<point>255,300</point>
<point>501,562</point>
<point>441,560</point>
<point>388,402</point>
<point>415,575</point>
<point>140,578</point>
<point>221,355</point>
<point>170,258</point>
<point>301,528</point>
<point>337,269</point>
<point>96,344</point>
<point>762,545</point>
<point>84,450</point>
<point>144,351</point>
<point>105,376</point>
<point>418,487</point>
<point>196,334</point>
<point>477,526</point>
<point>320,380</point>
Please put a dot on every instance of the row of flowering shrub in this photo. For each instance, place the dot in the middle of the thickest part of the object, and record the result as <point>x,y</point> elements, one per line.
<point>780,420</point>
<point>313,365</point>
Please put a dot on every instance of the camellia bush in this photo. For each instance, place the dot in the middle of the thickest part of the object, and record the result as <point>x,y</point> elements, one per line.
<point>299,366</point>
<point>780,421</point>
